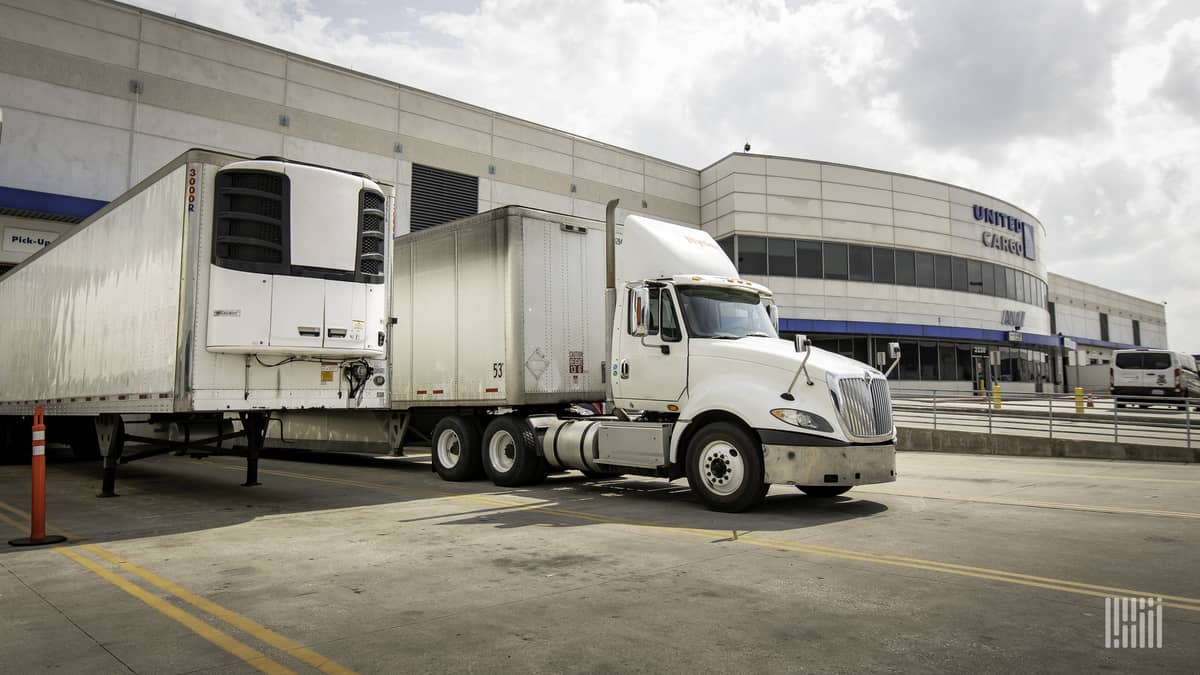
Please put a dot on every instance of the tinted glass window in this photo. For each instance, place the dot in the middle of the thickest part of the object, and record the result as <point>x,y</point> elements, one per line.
<point>752,255</point>
<point>1104,326</point>
<point>943,278</point>
<point>808,259</point>
<point>959,266</point>
<point>906,272</point>
<point>929,361</point>
<point>835,261</point>
<point>988,277</point>
<point>910,361</point>
<point>924,270</point>
<point>974,276</point>
<point>860,263</point>
<point>1022,287</point>
<point>885,266</point>
<point>1156,361</point>
<point>1001,285</point>
<point>781,257</point>
<point>1010,284</point>
<point>1137,332</point>
<point>947,358</point>
<point>669,321</point>
<point>1129,361</point>
<point>726,245</point>
<point>966,365</point>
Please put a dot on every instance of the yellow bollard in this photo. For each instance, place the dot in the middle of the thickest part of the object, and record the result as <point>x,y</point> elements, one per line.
<point>996,396</point>
<point>1079,400</point>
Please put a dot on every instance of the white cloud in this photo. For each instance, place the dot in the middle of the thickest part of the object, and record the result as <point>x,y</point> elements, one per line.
<point>1085,113</point>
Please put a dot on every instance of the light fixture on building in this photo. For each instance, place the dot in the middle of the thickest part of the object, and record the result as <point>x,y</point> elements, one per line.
<point>135,87</point>
<point>284,120</point>
<point>492,169</point>
<point>398,148</point>
<point>573,189</point>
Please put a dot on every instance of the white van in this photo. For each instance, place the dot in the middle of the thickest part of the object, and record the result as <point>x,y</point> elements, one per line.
<point>1138,374</point>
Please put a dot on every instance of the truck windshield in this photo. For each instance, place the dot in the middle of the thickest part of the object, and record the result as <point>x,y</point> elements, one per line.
<point>724,313</point>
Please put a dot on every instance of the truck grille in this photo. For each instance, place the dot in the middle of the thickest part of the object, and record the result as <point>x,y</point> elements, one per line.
<point>372,236</point>
<point>866,407</point>
<point>250,230</point>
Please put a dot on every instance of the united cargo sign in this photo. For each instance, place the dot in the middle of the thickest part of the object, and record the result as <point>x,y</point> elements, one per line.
<point>19,240</point>
<point>1011,235</point>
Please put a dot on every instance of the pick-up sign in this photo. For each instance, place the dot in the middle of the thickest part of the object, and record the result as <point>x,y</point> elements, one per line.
<point>19,240</point>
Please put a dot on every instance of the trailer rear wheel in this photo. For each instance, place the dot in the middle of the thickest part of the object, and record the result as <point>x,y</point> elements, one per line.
<point>823,491</point>
<point>455,450</point>
<point>510,455</point>
<point>725,468</point>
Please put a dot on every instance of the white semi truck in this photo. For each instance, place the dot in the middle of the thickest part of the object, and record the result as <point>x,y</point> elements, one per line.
<point>218,288</point>
<point>507,321</point>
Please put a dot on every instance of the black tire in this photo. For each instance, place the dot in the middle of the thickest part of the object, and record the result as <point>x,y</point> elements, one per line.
<point>458,459</point>
<point>725,468</point>
<point>823,491</point>
<point>509,450</point>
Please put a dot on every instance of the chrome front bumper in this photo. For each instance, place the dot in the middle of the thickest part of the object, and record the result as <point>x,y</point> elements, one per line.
<point>842,465</point>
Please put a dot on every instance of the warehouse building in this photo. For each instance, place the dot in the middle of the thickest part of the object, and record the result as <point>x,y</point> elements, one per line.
<point>95,95</point>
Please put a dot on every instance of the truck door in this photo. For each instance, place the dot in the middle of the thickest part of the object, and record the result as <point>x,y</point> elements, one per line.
<point>652,369</point>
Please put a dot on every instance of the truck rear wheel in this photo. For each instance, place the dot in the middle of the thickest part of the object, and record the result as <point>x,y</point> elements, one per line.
<point>725,468</point>
<point>823,491</point>
<point>510,455</point>
<point>455,449</point>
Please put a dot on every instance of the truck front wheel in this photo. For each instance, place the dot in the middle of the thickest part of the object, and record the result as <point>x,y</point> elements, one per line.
<point>455,449</point>
<point>725,468</point>
<point>510,455</point>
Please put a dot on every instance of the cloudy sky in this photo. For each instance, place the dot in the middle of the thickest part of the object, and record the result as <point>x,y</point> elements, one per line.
<point>1085,112</point>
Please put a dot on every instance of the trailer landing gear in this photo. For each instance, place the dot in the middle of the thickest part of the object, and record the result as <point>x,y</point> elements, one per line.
<point>255,426</point>
<point>110,435</point>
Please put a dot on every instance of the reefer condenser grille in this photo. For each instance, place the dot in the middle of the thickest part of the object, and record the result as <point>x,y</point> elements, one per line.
<point>440,196</point>
<point>372,236</point>
<point>251,221</point>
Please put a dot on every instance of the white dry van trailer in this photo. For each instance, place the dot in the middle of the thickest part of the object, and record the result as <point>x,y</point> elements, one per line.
<point>507,321</point>
<point>220,289</point>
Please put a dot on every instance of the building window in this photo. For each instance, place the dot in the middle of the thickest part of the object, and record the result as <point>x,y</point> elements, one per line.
<point>1001,285</point>
<point>726,245</point>
<point>906,273</point>
<point>752,255</point>
<point>860,263</point>
<point>782,257</point>
<point>988,278</point>
<point>948,362</point>
<point>1137,332</point>
<point>1103,326</point>
<point>835,261</point>
<point>943,277</point>
<point>1053,321</point>
<point>808,260</point>
<point>974,270</point>
<point>440,196</point>
<point>924,270</point>
<point>929,361</point>
<point>884,265</point>
<point>910,361</point>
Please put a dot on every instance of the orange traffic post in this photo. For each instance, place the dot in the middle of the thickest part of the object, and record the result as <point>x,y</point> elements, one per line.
<point>37,512</point>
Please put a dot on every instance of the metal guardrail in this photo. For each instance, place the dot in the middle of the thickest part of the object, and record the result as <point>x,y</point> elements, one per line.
<point>1123,419</point>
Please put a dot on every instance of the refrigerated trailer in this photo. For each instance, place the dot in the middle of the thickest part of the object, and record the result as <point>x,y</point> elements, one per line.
<point>215,295</point>
<point>526,341</point>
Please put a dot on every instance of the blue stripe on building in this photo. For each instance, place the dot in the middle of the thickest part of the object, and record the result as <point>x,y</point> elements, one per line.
<point>48,204</point>
<point>822,326</point>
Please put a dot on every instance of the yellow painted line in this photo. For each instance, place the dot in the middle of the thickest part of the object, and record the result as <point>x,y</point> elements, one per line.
<point>225,641</point>
<point>1005,501</point>
<point>49,526</point>
<point>234,619</point>
<point>21,527</point>
<point>1062,585</point>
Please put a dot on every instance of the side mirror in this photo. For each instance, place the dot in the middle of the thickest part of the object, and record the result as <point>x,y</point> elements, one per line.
<point>639,310</point>
<point>802,344</point>
<point>773,312</point>
<point>893,350</point>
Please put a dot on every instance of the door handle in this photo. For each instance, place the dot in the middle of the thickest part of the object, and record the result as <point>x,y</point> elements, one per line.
<point>624,369</point>
<point>308,331</point>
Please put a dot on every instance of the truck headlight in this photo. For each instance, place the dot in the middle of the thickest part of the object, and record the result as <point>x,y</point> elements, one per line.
<point>799,418</point>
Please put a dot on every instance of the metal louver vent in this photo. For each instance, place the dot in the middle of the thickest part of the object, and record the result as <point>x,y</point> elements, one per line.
<point>440,196</point>
<point>372,236</point>
<point>251,223</point>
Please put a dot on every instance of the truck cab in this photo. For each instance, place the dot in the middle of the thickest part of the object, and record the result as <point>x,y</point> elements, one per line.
<point>701,351</point>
